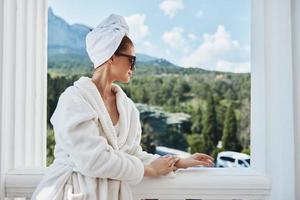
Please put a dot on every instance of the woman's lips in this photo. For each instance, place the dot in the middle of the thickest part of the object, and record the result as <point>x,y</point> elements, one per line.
<point>130,73</point>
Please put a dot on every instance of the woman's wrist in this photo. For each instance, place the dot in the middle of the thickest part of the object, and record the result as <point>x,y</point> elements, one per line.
<point>149,171</point>
<point>179,164</point>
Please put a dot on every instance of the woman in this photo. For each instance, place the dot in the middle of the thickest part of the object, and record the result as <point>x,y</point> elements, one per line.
<point>97,128</point>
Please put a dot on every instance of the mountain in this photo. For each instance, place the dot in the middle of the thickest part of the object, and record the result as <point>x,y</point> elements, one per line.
<point>66,43</point>
<point>64,38</point>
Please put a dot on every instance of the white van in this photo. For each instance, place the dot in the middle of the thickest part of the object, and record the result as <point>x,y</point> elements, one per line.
<point>233,159</point>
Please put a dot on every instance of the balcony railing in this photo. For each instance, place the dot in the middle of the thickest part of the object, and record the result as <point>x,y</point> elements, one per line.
<point>196,183</point>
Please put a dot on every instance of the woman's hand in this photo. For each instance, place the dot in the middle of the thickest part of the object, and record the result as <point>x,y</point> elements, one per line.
<point>161,166</point>
<point>195,160</point>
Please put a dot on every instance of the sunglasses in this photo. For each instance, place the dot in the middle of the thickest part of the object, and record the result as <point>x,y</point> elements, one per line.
<point>132,59</point>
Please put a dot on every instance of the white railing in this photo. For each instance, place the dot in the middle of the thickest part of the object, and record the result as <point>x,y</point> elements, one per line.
<point>201,183</point>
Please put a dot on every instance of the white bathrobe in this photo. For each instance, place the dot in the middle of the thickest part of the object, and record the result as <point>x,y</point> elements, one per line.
<point>92,162</point>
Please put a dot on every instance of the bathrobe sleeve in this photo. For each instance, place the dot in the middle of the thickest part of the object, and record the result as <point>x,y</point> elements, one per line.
<point>77,132</point>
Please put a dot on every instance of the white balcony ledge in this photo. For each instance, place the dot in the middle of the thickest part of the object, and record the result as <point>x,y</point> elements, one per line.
<point>203,183</point>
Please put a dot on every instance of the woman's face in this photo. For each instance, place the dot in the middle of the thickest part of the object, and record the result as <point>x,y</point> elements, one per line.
<point>121,65</point>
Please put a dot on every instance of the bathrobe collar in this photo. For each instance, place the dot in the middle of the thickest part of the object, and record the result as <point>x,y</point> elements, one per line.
<point>93,97</point>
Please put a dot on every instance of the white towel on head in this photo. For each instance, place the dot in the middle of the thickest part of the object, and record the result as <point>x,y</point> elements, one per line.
<point>104,40</point>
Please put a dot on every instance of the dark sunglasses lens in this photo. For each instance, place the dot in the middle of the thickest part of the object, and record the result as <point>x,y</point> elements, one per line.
<point>132,64</point>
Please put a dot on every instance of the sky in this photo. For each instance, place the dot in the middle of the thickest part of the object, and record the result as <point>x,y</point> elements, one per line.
<point>210,34</point>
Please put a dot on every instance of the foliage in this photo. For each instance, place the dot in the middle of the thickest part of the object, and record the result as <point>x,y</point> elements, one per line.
<point>210,131</point>
<point>196,143</point>
<point>50,146</point>
<point>215,152</point>
<point>230,140</point>
<point>246,151</point>
<point>197,120</point>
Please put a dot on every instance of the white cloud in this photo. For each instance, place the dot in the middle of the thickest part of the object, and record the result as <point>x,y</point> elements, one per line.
<point>223,65</point>
<point>192,36</point>
<point>174,38</point>
<point>171,7</point>
<point>213,46</point>
<point>138,28</point>
<point>149,47</point>
<point>147,44</point>
<point>199,13</point>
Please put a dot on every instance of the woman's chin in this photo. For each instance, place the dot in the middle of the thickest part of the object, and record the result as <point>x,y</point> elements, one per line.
<point>125,80</point>
<point>128,79</point>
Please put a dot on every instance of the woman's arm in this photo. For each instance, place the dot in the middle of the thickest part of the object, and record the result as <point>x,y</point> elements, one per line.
<point>197,159</point>
<point>148,171</point>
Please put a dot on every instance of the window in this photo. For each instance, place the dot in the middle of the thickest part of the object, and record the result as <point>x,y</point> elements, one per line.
<point>197,77</point>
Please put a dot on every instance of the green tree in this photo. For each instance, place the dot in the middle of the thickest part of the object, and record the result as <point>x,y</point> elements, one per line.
<point>142,95</point>
<point>210,126</point>
<point>230,140</point>
<point>197,120</point>
<point>50,146</point>
<point>244,123</point>
<point>196,143</point>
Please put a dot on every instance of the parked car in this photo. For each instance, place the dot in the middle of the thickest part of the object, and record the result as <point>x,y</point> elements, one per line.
<point>232,159</point>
